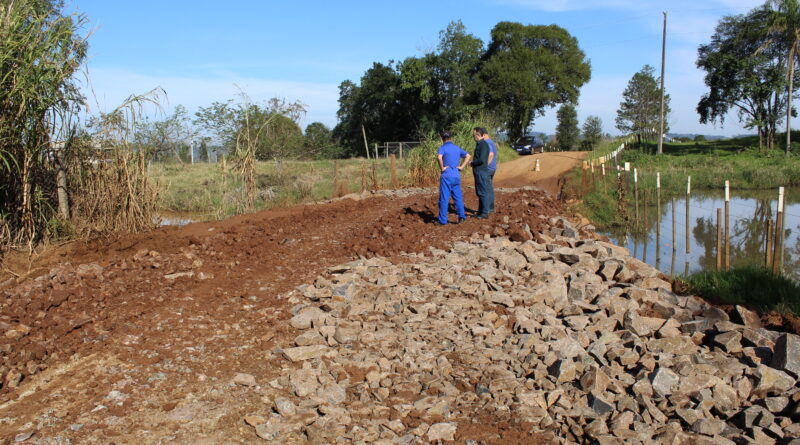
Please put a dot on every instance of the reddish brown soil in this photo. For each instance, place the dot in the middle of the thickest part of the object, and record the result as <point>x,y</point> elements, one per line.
<point>171,346</point>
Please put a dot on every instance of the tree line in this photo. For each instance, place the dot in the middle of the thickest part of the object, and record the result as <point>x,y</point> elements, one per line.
<point>750,69</point>
<point>521,72</point>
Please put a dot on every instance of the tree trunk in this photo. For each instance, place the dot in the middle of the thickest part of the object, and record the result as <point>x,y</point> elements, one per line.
<point>789,101</point>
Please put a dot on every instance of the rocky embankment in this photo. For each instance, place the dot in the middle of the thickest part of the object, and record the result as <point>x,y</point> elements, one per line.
<point>570,339</point>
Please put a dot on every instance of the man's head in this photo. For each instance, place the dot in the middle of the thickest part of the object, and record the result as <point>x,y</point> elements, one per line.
<point>478,132</point>
<point>445,135</point>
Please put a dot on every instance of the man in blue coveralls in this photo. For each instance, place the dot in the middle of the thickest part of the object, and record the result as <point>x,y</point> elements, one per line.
<point>480,169</point>
<point>450,182</point>
<point>492,168</point>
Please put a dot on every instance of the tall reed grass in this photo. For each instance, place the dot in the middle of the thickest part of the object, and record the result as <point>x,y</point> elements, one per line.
<point>423,167</point>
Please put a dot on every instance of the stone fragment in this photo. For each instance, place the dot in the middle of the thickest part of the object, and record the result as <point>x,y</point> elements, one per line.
<point>441,431</point>
<point>244,379</point>
<point>346,335</point>
<point>776,405</point>
<point>663,381</point>
<point>786,355</point>
<point>600,405</point>
<point>709,427</point>
<point>746,317</point>
<point>563,370</point>
<point>608,270</point>
<point>730,342</point>
<point>254,420</point>
<point>595,380</point>
<point>22,437</point>
<point>285,407</point>
<point>771,381</point>
<point>306,317</point>
<point>304,381</point>
<point>301,353</point>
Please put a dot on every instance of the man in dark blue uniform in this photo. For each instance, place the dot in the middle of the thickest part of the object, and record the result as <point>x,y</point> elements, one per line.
<point>492,168</point>
<point>480,169</point>
<point>450,182</point>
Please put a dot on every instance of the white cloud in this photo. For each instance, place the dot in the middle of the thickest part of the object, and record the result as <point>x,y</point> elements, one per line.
<point>113,86</point>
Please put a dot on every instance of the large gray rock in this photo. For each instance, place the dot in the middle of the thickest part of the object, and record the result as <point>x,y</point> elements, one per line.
<point>746,317</point>
<point>786,355</point>
<point>306,317</point>
<point>302,353</point>
<point>664,381</point>
<point>772,381</point>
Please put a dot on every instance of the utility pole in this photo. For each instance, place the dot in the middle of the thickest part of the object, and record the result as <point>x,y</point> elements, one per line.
<point>191,149</point>
<point>663,54</point>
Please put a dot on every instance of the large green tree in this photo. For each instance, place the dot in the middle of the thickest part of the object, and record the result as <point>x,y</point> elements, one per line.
<point>398,102</point>
<point>271,128</point>
<point>745,73</point>
<point>567,132</point>
<point>526,69</point>
<point>168,138</point>
<point>639,110</point>
<point>376,107</point>
<point>784,29</point>
<point>592,130</point>
<point>319,142</point>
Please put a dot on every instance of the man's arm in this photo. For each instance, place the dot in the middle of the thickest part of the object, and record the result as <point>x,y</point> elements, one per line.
<point>464,162</point>
<point>441,162</point>
<point>491,156</point>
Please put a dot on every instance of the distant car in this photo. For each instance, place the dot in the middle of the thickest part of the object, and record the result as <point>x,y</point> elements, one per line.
<point>528,145</point>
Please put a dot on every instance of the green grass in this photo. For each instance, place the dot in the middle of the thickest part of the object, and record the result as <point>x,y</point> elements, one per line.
<point>751,286</point>
<point>604,147</point>
<point>204,191</point>
<point>711,163</point>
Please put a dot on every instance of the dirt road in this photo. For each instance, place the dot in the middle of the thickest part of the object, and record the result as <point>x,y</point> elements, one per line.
<point>521,171</point>
<point>139,339</point>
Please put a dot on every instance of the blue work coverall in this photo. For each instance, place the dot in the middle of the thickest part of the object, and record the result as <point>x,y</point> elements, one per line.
<point>450,181</point>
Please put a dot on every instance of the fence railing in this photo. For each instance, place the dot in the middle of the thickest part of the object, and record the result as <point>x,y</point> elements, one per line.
<point>399,149</point>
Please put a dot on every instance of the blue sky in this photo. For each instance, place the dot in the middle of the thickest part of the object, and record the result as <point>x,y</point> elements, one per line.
<point>199,51</point>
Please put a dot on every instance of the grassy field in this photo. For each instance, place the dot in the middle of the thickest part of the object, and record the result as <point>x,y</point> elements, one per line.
<point>709,163</point>
<point>206,191</point>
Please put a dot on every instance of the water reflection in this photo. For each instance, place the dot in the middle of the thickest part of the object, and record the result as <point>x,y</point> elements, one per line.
<point>696,232</point>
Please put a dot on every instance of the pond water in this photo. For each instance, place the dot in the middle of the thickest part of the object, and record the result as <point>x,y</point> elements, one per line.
<point>749,212</point>
<point>175,219</point>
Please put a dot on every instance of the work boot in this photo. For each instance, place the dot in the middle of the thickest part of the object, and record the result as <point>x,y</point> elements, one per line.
<point>461,220</point>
